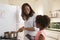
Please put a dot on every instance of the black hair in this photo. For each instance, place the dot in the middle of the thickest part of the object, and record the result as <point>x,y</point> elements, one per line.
<point>23,14</point>
<point>44,20</point>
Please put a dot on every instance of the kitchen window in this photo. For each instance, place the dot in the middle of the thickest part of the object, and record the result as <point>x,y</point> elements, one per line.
<point>54,26</point>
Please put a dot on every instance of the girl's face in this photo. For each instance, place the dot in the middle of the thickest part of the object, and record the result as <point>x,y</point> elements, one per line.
<point>27,10</point>
<point>38,25</point>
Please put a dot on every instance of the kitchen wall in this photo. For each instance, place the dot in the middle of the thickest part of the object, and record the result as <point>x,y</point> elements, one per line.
<point>3,1</point>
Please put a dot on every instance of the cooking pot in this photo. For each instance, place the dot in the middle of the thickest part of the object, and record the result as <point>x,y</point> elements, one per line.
<point>13,34</point>
<point>6,34</point>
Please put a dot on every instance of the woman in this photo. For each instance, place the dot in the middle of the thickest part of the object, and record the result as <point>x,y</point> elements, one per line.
<point>29,27</point>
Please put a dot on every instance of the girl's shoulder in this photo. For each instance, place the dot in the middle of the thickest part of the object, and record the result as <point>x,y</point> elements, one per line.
<point>43,32</point>
<point>41,37</point>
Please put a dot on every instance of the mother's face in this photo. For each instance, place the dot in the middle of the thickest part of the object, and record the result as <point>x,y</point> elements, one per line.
<point>27,10</point>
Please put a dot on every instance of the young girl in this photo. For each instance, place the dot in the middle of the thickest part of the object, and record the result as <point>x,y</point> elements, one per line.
<point>42,22</point>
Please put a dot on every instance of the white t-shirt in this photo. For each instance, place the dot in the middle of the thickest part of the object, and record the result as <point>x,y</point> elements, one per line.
<point>30,23</point>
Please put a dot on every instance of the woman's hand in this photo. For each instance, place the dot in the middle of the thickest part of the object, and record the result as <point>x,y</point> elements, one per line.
<point>21,29</point>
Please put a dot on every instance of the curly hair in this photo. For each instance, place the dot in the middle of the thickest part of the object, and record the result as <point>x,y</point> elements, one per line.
<point>44,20</point>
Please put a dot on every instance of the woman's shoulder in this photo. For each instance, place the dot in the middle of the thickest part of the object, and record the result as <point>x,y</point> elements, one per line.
<point>34,16</point>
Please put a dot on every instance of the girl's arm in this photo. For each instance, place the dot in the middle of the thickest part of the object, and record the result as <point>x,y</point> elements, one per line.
<point>41,37</point>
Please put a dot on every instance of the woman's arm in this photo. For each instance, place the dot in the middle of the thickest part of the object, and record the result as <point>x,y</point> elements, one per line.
<point>20,29</point>
<point>30,29</point>
<point>41,37</point>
